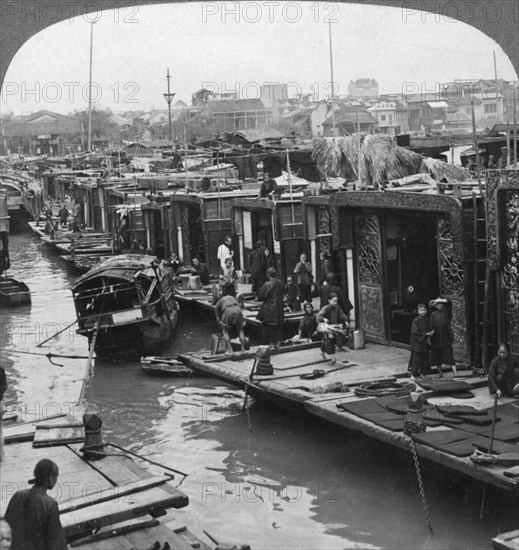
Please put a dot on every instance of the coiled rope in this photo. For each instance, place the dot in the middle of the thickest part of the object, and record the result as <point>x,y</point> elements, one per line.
<point>379,389</point>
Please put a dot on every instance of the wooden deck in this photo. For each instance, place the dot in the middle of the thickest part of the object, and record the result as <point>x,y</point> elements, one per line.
<point>506,541</point>
<point>105,496</point>
<point>376,362</point>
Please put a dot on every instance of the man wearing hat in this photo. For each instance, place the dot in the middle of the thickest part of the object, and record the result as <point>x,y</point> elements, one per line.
<point>442,337</point>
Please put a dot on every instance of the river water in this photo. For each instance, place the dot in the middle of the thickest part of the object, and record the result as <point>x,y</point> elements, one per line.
<point>291,482</point>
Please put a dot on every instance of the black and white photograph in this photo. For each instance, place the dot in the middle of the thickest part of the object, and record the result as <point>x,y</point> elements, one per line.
<point>259,275</point>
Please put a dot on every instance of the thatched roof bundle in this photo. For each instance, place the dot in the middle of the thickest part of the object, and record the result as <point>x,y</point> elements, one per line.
<point>381,160</point>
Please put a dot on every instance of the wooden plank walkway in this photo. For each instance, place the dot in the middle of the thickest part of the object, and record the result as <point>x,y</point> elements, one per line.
<point>102,491</point>
<point>373,363</point>
<point>506,541</point>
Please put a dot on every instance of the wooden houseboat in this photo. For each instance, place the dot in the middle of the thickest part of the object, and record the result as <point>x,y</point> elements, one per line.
<point>401,247</point>
<point>278,223</point>
<point>126,308</point>
<point>200,222</point>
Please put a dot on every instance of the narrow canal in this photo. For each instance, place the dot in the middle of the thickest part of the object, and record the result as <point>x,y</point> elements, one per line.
<point>292,482</point>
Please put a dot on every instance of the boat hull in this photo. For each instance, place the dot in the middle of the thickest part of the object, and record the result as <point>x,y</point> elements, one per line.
<point>14,292</point>
<point>134,341</point>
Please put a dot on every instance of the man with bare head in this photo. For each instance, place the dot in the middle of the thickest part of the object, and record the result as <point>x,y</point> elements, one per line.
<point>34,516</point>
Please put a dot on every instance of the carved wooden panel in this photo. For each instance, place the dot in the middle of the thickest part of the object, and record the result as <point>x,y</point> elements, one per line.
<point>186,244</point>
<point>368,248</point>
<point>497,180</point>
<point>459,328</point>
<point>452,286</point>
<point>324,227</point>
<point>510,272</point>
<point>371,310</point>
<point>451,270</point>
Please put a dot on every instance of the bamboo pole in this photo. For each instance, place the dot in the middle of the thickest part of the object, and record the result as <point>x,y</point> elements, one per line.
<point>515,127</point>
<point>508,149</point>
<point>89,363</point>
<point>476,147</point>
<point>54,335</point>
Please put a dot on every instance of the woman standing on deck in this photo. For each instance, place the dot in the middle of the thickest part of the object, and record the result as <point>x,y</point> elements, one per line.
<point>419,361</point>
<point>442,337</point>
<point>304,277</point>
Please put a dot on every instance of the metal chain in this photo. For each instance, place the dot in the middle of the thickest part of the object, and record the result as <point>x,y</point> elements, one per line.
<point>420,485</point>
<point>247,407</point>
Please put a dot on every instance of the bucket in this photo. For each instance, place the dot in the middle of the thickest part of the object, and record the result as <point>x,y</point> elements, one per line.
<point>184,282</point>
<point>358,339</point>
<point>194,282</point>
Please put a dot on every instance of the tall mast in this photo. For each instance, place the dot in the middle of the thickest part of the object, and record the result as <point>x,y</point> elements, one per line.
<point>169,98</point>
<point>331,77</point>
<point>90,88</point>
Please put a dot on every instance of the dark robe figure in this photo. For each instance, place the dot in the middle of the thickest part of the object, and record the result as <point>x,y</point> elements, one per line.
<point>503,373</point>
<point>271,313</point>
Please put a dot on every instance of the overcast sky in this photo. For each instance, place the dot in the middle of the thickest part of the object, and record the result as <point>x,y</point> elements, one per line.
<point>204,45</point>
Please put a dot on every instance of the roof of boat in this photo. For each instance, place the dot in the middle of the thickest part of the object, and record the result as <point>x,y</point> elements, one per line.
<point>123,266</point>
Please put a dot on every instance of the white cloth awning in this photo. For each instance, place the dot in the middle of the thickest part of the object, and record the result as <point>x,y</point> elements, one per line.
<point>438,104</point>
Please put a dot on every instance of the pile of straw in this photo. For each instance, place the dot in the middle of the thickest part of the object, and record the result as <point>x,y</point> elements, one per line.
<point>381,160</point>
<point>440,169</point>
<point>337,156</point>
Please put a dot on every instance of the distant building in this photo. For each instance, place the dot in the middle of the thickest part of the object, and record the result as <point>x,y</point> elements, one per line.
<point>232,116</point>
<point>42,133</point>
<point>427,112</point>
<point>391,116</point>
<point>349,122</point>
<point>363,87</point>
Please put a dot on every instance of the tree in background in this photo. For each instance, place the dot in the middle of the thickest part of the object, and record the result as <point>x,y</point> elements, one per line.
<point>102,125</point>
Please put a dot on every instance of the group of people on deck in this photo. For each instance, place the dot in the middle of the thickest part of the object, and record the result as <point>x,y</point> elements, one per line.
<point>330,323</point>
<point>432,346</point>
<point>68,208</point>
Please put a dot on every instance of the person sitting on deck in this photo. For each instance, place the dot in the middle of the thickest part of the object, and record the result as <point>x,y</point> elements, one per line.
<point>229,317</point>
<point>269,188</point>
<point>308,325</point>
<point>175,265</point>
<point>34,516</point>
<point>331,314</point>
<point>200,269</point>
<point>206,186</point>
<point>503,373</point>
<point>228,278</point>
<point>293,295</point>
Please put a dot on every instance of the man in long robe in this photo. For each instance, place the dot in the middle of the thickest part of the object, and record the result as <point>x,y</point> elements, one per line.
<point>271,313</point>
